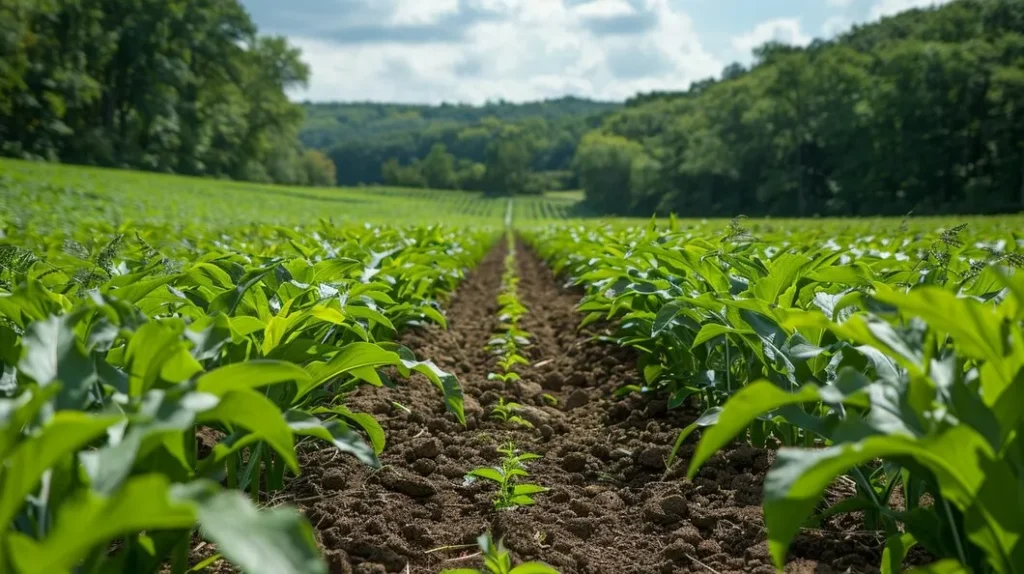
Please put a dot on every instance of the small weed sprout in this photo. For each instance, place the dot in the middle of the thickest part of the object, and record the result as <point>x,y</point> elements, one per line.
<point>511,492</point>
<point>498,561</point>
<point>506,413</point>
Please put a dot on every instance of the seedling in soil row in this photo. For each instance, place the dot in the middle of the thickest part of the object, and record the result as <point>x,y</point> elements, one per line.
<point>505,412</point>
<point>511,338</point>
<point>498,561</point>
<point>510,492</point>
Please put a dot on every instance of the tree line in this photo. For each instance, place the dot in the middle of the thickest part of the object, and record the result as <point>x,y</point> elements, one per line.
<point>179,86</point>
<point>499,147</point>
<point>921,112</point>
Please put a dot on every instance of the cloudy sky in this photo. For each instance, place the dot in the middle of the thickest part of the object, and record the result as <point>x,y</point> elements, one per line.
<point>431,51</point>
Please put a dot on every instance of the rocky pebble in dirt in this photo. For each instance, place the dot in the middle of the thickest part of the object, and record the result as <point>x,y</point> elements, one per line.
<point>612,507</point>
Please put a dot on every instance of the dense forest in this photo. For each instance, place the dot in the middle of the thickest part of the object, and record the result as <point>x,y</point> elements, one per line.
<point>921,112</point>
<point>183,86</point>
<point>500,147</point>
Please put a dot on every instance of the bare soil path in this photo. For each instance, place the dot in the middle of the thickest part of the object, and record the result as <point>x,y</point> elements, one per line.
<point>611,508</point>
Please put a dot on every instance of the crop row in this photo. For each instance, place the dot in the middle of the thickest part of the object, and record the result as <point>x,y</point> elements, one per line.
<point>894,363</point>
<point>150,378</point>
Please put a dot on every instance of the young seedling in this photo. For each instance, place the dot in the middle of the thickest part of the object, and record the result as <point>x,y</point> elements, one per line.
<point>506,413</point>
<point>498,561</point>
<point>511,338</point>
<point>511,493</point>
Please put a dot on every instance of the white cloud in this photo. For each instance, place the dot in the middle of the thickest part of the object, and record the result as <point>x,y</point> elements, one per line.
<point>412,12</point>
<point>604,9</point>
<point>834,26</point>
<point>536,49</point>
<point>890,7</point>
<point>785,30</point>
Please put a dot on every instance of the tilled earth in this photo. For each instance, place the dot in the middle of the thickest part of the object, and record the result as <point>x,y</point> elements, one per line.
<point>612,507</point>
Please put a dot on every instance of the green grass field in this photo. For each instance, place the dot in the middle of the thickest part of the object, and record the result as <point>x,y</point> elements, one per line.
<point>52,195</point>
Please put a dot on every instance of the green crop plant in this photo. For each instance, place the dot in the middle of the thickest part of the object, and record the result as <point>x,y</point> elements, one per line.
<point>123,344</point>
<point>937,412</point>
<point>507,476</point>
<point>506,413</point>
<point>498,561</point>
<point>508,344</point>
<point>52,196</point>
<point>888,360</point>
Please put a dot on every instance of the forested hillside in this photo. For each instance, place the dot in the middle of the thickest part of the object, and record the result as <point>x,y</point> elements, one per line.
<point>922,112</point>
<point>496,147</point>
<point>183,86</point>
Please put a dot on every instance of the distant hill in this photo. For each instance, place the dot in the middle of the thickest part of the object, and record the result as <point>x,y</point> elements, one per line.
<point>328,124</point>
<point>361,137</point>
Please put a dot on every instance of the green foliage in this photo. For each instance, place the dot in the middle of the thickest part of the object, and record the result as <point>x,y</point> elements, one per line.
<point>512,493</point>
<point>41,198</point>
<point>178,86</point>
<point>363,137</point>
<point>507,344</point>
<point>506,413</point>
<point>921,111</point>
<point>884,354</point>
<point>498,561</point>
<point>121,348</point>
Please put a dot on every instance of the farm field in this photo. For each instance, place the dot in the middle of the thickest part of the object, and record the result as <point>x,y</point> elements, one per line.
<point>50,195</point>
<point>216,376</point>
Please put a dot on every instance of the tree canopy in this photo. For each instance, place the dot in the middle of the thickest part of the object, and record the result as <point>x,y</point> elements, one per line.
<point>527,146</point>
<point>183,86</point>
<point>920,112</point>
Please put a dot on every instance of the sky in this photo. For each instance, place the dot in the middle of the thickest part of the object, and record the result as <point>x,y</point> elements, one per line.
<point>474,51</point>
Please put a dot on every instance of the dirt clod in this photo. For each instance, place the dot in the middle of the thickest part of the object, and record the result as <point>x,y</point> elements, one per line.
<point>574,462</point>
<point>577,399</point>
<point>427,448</point>
<point>410,485</point>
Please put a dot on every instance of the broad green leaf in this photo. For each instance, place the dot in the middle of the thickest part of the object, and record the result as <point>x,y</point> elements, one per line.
<point>446,382</point>
<point>89,520</point>
<point>709,418</point>
<point>251,375</point>
<point>64,434</point>
<point>533,568</point>
<point>328,314</point>
<point>967,474</point>
<point>334,432</point>
<point>742,409</point>
<point>896,549</point>
<point>156,350</point>
<point>162,420</point>
<point>276,541</point>
<point>17,412</point>
<point>254,412</point>
<point>364,421</point>
<point>135,291</point>
<point>665,316</point>
<point>941,567</point>
<point>488,473</point>
<point>977,331</point>
<point>784,271</point>
<point>528,489</point>
<point>52,353</point>
<point>712,330</point>
<point>352,356</point>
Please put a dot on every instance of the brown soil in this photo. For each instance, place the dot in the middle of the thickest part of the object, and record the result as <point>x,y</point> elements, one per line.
<point>611,509</point>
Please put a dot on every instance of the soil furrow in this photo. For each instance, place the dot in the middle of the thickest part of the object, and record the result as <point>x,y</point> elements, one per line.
<point>611,508</point>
